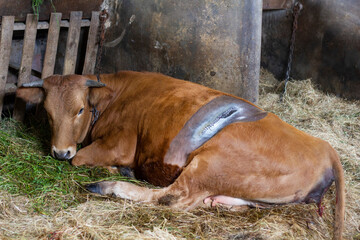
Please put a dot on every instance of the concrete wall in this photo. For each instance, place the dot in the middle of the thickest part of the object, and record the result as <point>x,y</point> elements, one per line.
<point>167,37</point>
<point>214,43</point>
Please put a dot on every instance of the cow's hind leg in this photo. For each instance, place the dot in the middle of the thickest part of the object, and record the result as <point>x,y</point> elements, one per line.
<point>184,193</point>
<point>169,196</point>
<point>124,190</point>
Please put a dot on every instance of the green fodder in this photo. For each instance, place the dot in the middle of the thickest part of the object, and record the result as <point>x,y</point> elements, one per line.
<point>71,213</point>
<point>27,169</point>
<point>36,4</point>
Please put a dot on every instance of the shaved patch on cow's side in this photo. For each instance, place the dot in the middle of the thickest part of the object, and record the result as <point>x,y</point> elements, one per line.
<point>207,122</point>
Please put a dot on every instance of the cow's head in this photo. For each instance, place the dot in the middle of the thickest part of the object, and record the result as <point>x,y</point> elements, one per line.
<point>68,102</point>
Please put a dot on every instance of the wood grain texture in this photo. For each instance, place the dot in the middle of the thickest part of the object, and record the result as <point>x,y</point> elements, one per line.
<point>92,45</point>
<point>51,45</point>
<point>72,43</point>
<point>26,63</point>
<point>5,48</point>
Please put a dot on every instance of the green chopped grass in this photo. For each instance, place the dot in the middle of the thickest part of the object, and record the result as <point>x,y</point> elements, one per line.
<point>26,168</point>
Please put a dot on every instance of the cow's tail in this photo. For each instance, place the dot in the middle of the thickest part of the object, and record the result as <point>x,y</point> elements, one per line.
<point>340,196</point>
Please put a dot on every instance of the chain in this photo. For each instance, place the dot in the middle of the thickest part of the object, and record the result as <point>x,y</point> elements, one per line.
<point>296,12</point>
<point>94,116</point>
<point>103,17</point>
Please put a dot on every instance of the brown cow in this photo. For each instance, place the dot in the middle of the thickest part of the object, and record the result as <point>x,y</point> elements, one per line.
<point>203,146</point>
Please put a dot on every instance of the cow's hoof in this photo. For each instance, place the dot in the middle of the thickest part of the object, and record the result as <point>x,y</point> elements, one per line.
<point>94,188</point>
<point>127,172</point>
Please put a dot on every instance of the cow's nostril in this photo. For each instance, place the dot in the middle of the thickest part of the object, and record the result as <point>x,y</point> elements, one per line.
<point>62,155</point>
<point>56,155</point>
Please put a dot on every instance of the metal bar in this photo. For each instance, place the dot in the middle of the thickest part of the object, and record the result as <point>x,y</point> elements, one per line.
<point>45,25</point>
<point>26,62</point>
<point>72,43</point>
<point>51,45</point>
<point>92,45</point>
<point>5,48</point>
<point>250,48</point>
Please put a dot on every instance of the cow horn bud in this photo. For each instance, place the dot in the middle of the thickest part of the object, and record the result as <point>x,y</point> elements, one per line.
<point>92,83</point>
<point>34,84</point>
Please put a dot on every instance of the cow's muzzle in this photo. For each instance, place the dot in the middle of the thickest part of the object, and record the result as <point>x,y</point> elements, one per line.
<point>65,154</point>
<point>62,155</point>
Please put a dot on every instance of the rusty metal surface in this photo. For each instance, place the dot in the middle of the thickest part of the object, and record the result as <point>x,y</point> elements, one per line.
<point>296,13</point>
<point>20,8</point>
<point>249,37</point>
<point>277,4</point>
<point>327,48</point>
<point>201,41</point>
<point>276,33</point>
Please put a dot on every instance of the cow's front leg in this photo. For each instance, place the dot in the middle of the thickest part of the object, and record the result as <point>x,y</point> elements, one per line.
<point>124,171</point>
<point>113,169</point>
<point>106,153</point>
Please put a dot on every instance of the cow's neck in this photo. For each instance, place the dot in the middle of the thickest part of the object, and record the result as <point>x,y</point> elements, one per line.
<point>93,116</point>
<point>99,99</point>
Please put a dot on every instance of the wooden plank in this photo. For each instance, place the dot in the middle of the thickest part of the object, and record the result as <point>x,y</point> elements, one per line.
<point>277,4</point>
<point>5,47</point>
<point>10,88</point>
<point>92,45</point>
<point>19,26</point>
<point>72,43</point>
<point>16,69</point>
<point>51,45</point>
<point>26,62</point>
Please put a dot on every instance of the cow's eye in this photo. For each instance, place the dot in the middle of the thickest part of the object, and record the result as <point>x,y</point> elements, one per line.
<point>81,111</point>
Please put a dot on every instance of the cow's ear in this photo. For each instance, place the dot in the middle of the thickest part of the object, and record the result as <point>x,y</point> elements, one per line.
<point>100,97</point>
<point>31,94</point>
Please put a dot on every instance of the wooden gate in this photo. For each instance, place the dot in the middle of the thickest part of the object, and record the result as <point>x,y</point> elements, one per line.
<point>75,23</point>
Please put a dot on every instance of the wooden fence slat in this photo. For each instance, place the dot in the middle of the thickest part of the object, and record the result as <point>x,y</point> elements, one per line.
<point>26,62</point>
<point>7,27</point>
<point>72,42</point>
<point>51,45</point>
<point>92,45</point>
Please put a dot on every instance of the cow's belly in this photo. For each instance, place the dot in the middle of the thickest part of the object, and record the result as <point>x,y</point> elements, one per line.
<point>157,172</point>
